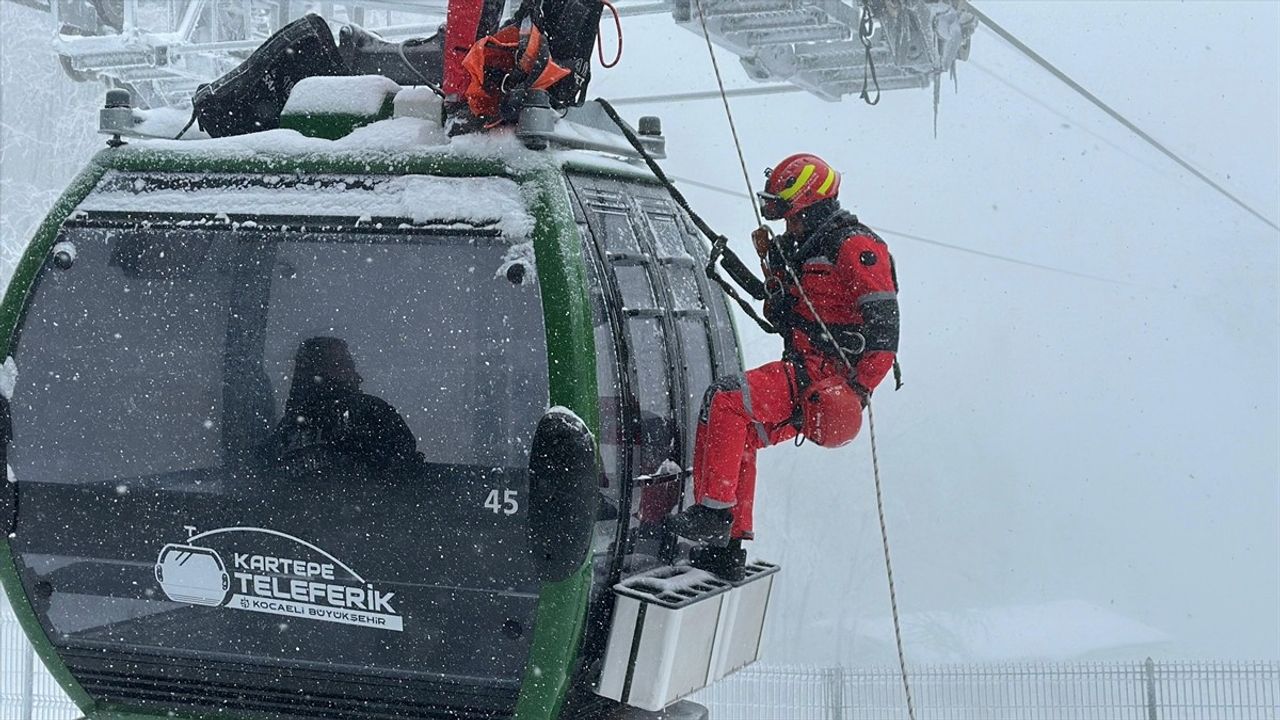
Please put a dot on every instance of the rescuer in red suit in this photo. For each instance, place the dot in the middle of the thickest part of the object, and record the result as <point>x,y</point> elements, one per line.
<point>848,277</point>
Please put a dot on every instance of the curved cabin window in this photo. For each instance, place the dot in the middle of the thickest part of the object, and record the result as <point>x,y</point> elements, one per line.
<point>263,442</point>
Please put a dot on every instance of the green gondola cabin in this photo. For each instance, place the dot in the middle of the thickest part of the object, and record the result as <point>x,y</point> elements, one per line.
<point>366,423</point>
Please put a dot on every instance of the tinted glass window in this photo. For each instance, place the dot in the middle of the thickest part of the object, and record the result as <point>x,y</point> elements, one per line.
<point>669,241</point>
<point>635,286</point>
<point>619,235</point>
<point>306,449</point>
<point>649,350</point>
<point>697,353</point>
<point>685,290</point>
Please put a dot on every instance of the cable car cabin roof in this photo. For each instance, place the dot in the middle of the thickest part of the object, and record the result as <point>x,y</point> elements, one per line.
<point>396,145</point>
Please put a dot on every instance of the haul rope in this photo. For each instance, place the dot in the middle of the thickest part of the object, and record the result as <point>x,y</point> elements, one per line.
<point>827,334</point>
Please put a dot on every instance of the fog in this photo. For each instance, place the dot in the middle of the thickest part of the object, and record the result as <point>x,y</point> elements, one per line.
<point>1083,462</point>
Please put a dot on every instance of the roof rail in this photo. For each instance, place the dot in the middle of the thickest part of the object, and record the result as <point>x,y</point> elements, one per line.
<point>585,128</point>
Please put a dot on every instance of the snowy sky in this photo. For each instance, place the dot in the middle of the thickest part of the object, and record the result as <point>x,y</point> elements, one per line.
<point>1102,443</point>
<point>1089,461</point>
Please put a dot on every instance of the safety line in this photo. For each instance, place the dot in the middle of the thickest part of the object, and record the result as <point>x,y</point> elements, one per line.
<point>826,331</point>
<point>888,564</point>
<point>1053,70</point>
<point>733,128</point>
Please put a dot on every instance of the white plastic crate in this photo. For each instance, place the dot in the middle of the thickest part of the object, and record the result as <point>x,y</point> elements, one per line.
<point>676,630</point>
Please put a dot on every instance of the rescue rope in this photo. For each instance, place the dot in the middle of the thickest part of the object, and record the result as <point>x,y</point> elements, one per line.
<point>888,564</point>
<point>844,358</point>
<point>617,22</point>
<point>733,128</point>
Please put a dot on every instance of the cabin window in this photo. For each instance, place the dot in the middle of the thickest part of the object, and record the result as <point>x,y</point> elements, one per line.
<point>669,241</point>
<point>302,448</point>
<point>635,286</point>
<point>649,350</point>
<point>687,285</point>
<point>684,287</point>
<point>698,372</point>
<point>608,384</point>
<point>667,342</point>
<point>609,214</point>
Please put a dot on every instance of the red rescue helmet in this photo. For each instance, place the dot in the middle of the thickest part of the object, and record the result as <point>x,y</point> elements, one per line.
<point>832,412</point>
<point>797,182</point>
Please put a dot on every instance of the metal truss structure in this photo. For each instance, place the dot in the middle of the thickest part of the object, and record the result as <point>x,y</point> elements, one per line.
<point>816,44</point>
<point>163,49</point>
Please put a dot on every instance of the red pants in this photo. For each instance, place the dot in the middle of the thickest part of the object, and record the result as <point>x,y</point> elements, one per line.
<point>739,416</point>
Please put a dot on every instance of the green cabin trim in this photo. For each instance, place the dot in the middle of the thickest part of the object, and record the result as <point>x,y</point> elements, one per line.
<point>558,247</point>
<point>15,300</point>
<point>571,372</point>
<point>334,126</point>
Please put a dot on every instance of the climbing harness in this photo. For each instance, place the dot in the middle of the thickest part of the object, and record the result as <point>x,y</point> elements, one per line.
<point>512,60</point>
<point>572,29</point>
<point>871,425</point>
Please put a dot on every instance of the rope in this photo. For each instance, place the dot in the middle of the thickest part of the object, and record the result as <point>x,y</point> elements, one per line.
<point>733,128</point>
<point>617,22</point>
<point>187,127</point>
<point>718,242</point>
<point>888,564</point>
<point>404,58</point>
<point>844,358</point>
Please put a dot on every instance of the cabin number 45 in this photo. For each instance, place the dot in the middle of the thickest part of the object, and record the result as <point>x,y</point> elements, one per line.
<point>502,502</point>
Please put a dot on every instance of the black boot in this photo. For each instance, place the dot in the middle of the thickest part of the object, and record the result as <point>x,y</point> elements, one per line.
<point>703,524</point>
<point>728,562</point>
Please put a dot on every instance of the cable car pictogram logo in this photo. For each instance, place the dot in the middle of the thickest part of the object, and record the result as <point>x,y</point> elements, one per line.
<point>313,585</point>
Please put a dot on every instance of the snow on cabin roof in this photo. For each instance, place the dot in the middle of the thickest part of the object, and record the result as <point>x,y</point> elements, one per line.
<point>362,95</point>
<point>455,202</point>
<point>414,132</point>
<point>395,138</point>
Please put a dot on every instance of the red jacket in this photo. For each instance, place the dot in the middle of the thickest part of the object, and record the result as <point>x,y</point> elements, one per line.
<point>848,275</point>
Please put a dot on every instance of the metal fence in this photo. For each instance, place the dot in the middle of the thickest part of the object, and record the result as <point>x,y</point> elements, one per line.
<point>1058,691</point>
<point>1049,691</point>
<point>27,691</point>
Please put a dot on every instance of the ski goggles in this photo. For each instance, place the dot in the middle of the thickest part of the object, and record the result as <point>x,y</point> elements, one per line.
<point>772,207</point>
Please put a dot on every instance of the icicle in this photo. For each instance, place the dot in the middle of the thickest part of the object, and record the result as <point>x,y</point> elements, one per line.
<point>937,98</point>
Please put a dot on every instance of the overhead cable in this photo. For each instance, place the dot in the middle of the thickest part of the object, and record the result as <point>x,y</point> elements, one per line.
<point>927,241</point>
<point>706,95</point>
<point>1115,115</point>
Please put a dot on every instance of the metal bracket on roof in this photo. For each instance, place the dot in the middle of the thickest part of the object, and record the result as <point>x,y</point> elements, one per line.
<point>586,128</point>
